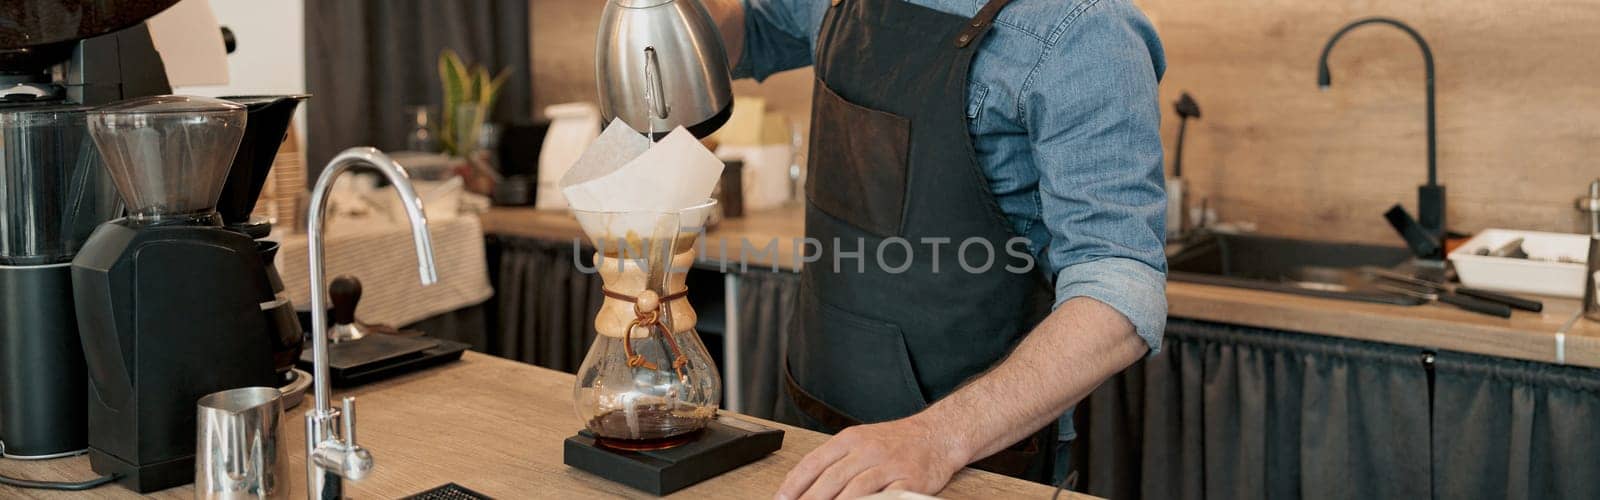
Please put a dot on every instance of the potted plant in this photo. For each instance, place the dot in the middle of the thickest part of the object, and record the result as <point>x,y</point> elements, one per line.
<point>469,94</point>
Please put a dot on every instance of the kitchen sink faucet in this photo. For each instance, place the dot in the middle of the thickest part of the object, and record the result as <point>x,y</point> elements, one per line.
<point>1430,197</point>
<point>332,454</point>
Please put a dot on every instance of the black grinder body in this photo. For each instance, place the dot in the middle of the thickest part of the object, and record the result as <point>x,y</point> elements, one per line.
<point>166,315</point>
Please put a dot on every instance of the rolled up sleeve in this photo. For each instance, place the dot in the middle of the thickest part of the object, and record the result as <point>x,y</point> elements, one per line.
<point>1133,288</point>
<point>779,35</point>
<point>1093,115</point>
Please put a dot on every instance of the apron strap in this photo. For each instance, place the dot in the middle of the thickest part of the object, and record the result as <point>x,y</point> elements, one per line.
<point>980,22</point>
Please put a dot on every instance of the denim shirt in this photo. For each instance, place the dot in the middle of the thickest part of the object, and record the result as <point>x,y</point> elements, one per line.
<point>1063,112</point>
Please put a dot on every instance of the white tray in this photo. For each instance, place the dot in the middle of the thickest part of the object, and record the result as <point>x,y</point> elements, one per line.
<point>1543,277</point>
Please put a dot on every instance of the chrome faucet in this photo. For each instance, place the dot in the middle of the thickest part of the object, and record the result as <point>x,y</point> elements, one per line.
<point>332,454</point>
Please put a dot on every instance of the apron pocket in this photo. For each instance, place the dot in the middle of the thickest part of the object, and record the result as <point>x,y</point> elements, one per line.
<point>861,367</point>
<point>858,163</point>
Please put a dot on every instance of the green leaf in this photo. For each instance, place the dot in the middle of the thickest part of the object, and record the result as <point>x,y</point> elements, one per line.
<point>454,86</point>
<point>481,93</point>
<point>463,84</point>
<point>499,81</point>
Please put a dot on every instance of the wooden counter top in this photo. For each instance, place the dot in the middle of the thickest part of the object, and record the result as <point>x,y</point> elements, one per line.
<point>497,427</point>
<point>1544,337</point>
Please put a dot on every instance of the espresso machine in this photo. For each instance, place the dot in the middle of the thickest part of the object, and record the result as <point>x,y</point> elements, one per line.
<point>169,301</point>
<point>53,192</point>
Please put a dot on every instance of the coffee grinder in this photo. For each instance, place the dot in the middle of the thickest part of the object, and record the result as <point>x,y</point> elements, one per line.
<point>168,300</point>
<point>53,193</point>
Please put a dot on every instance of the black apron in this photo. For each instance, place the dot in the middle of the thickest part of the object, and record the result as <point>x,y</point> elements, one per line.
<point>890,317</point>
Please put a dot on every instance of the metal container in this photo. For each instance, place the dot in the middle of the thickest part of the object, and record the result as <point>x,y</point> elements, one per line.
<point>660,65</point>
<point>54,188</point>
<point>237,452</point>
<point>1590,207</point>
<point>1591,288</point>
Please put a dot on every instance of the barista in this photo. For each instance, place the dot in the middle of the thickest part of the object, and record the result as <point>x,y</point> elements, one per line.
<point>944,136</point>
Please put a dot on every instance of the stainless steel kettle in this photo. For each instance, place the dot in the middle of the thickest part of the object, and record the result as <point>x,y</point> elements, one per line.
<point>660,65</point>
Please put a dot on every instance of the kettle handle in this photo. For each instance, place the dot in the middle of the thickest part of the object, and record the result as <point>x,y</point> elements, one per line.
<point>655,95</point>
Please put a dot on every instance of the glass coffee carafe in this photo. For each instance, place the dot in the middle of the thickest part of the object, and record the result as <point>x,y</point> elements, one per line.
<point>647,382</point>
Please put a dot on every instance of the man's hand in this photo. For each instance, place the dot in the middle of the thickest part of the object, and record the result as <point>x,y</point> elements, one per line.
<point>908,454</point>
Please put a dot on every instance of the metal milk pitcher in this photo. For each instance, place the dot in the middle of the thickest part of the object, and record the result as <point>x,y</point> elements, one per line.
<point>660,65</point>
<point>239,455</point>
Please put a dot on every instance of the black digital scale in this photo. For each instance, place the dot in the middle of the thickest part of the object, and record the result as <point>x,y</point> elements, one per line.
<point>726,443</point>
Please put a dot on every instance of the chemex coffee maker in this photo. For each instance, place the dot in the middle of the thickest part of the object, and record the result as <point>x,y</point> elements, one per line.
<point>58,58</point>
<point>648,391</point>
<point>176,300</point>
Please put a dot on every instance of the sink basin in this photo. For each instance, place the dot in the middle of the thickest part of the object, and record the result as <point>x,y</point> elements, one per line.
<point>1304,267</point>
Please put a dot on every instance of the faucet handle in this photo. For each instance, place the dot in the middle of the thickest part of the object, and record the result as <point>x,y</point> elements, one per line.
<point>357,460</point>
<point>346,461</point>
<point>343,456</point>
<point>347,418</point>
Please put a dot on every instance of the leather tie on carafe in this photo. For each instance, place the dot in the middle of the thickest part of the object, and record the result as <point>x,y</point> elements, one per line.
<point>648,309</point>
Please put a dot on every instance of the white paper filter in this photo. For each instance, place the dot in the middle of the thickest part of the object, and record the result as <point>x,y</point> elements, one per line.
<point>622,171</point>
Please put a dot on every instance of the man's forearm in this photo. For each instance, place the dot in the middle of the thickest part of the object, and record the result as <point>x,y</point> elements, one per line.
<point>1077,347</point>
<point>729,16</point>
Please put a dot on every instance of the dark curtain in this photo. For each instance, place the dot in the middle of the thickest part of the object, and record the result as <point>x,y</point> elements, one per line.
<point>1241,413</point>
<point>767,303</point>
<point>368,60</point>
<point>544,305</point>
<point>1516,430</point>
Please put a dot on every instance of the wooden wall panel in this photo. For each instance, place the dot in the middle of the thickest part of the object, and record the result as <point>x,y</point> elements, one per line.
<point>1518,101</point>
<point>1518,90</point>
